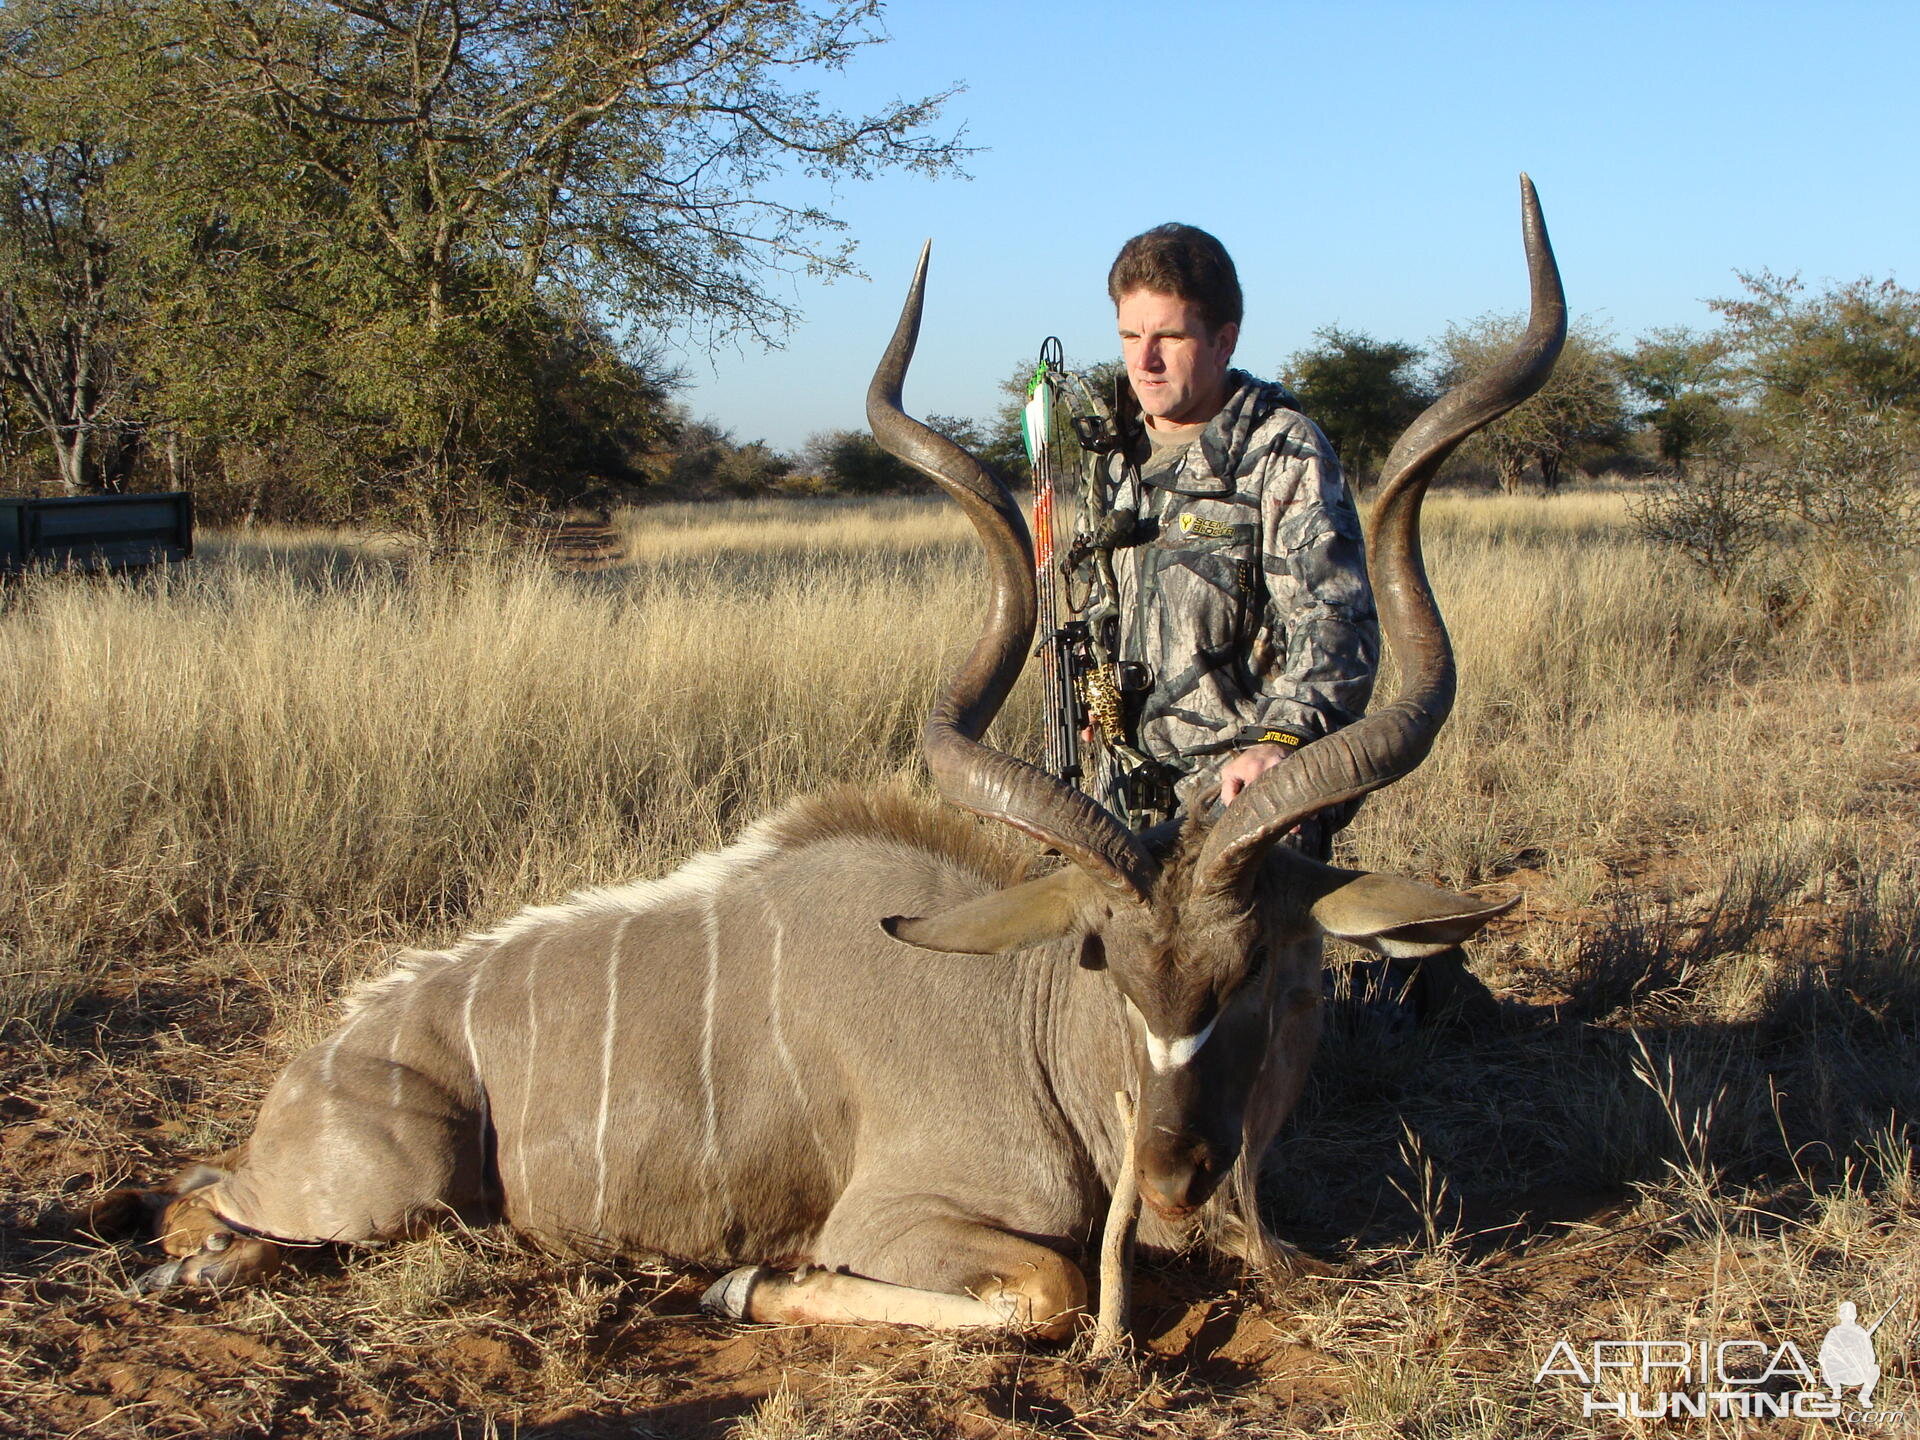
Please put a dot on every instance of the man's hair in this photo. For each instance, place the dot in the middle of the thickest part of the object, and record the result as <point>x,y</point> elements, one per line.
<point>1184,262</point>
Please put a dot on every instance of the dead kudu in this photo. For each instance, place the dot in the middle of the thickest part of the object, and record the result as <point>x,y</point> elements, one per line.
<point>761,1061</point>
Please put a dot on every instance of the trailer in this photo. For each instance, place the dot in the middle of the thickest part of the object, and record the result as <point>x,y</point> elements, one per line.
<point>95,532</point>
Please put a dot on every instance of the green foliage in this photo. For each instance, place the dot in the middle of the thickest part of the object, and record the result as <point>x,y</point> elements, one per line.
<point>700,459</point>
<point>965,433</point>
<point>1714,513</point>
<point>1686,387</point>
<point>1580,405</point>
<point>402,249</point>
<point>1813,487</point>
<point>1363,392</point>
<point>1856,346</point>
<point>854,464</point>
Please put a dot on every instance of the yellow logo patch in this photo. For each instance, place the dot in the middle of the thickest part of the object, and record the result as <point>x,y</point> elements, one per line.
<point>1206,529</point>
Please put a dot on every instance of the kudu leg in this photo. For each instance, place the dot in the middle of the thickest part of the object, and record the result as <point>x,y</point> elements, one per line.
<point>950,1274</point>
<point>350,1147</point>
<point>1444,986</point>
<point>203,1248</point>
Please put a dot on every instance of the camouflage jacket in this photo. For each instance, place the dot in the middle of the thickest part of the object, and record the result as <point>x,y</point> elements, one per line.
<point>1244,592</point>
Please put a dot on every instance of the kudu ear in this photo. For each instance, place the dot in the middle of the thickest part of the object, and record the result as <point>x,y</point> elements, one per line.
<point>1399,918</point>
<point>1012,919</point>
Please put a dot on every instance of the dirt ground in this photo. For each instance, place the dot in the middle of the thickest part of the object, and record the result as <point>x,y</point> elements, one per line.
<point>1454,1270</point>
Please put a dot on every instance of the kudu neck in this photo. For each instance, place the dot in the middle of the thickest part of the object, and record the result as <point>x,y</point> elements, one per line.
<point>1082,1044</point>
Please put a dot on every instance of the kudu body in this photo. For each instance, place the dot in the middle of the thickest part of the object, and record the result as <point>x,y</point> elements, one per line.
<point>862,1039</point>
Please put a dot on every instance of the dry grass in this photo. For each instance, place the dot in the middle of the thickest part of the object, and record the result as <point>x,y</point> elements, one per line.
<point>799,530</point>
<point>227,790</point>
<point>298,741</point>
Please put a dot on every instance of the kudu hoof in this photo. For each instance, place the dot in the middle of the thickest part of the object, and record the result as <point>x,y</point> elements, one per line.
<point>727,1297</point>
<point>160,1277</point>
<point>224,1258</point>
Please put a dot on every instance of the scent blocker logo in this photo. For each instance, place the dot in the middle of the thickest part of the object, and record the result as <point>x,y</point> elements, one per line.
<point>1750,1379</point>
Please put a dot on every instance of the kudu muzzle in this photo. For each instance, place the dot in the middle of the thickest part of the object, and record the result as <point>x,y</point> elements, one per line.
<point>1189,1129</point>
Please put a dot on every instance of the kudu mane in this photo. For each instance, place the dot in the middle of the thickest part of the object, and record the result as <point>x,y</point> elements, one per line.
<point>889,816</point>
<point>897,817</point>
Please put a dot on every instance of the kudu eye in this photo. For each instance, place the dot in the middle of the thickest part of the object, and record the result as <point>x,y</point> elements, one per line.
<point>1093,951</point>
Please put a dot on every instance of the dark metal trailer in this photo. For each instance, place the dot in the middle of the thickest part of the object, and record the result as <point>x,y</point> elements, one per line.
<point>95,532</point>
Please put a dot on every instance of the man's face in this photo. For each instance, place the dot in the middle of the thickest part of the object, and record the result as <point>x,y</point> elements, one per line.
<point>1177,365</point>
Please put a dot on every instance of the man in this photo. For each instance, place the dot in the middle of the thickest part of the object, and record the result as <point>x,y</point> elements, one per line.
<point>1240,603</point>
<point>1240,599</point>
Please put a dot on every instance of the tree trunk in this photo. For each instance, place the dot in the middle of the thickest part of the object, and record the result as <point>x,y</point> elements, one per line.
<point>71,450</point>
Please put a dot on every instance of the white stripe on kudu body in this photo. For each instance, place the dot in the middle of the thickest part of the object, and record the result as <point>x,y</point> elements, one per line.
<point>533,1056</point>
<point>485,1100</point>
<point>779,1027</point>
<point>710,928</point>
<point>607,1030</point>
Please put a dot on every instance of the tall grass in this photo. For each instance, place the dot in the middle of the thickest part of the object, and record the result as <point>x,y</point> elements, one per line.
<point>1614,706</point>
<point>299,739</point>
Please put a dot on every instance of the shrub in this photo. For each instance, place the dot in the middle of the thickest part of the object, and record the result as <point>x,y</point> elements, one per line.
<point>1827,497</point>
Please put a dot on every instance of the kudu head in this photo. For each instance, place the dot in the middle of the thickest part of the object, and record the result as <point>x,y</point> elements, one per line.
<point>1190,927</point>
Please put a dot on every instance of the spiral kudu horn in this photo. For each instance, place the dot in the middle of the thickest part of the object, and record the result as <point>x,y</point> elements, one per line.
<point>1393,739</point>
<point>969,774</point>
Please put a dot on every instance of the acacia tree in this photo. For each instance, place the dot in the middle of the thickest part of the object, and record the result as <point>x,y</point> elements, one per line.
<point>1363,392</point>
<point>1856,346</point>
<point>616,150</point>
<point>393,213</point>
<point>1685,383</point>
<point>854,463</point>
<point>64,300</point>
<point>1579,405</point>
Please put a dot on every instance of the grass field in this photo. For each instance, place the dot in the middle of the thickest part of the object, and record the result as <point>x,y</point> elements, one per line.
<point>229,791</point>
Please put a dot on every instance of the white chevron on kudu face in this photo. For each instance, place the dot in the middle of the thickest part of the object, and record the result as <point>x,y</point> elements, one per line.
<point>1165,1055</point>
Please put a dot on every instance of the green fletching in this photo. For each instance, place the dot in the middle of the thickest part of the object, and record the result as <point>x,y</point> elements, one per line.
<point>1036,419</point>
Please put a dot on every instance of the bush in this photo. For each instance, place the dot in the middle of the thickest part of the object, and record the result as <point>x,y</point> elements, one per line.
<point>1830,496</point>
<point>1362,392</point>
<point>854,463</point>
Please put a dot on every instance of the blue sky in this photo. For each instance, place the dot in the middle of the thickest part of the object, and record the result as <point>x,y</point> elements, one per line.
<point>1359,160</point>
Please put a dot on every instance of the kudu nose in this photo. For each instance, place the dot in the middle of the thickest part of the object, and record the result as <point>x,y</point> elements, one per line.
<point>1177,1181</point>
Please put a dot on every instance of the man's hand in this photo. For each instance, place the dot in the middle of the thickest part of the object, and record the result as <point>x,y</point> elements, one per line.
<point>1243,769</point>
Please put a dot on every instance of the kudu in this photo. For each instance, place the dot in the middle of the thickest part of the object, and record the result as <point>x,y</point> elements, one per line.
<point>762,1061</point>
